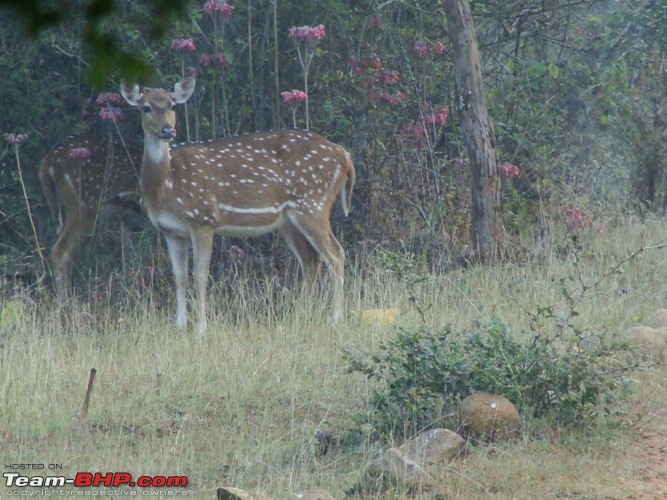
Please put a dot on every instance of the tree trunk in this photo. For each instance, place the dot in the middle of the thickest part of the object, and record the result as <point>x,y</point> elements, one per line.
<point>477,132</point>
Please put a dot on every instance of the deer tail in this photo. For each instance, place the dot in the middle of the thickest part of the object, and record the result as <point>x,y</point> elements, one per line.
<point>346,194</point>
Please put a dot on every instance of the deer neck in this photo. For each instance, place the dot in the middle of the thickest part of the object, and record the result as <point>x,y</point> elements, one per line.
<point>156,170</point>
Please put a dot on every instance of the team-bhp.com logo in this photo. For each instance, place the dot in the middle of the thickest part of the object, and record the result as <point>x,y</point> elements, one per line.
<point>82,484</point>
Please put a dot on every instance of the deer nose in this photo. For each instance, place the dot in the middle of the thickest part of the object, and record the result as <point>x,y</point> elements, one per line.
<point>167,133</point>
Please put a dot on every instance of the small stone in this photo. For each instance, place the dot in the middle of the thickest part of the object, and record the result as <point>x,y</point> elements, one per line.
<point>313,495</point>
<point>231,493</point>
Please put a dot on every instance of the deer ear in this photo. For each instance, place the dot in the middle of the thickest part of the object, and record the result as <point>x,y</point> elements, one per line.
<point>131,93</point>
<point>183,90</point>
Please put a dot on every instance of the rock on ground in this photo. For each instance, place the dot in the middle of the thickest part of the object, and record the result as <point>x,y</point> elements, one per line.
<point>489,416</point>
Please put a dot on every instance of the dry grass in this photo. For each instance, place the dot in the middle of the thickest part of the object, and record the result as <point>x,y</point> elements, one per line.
<point>241,404</point>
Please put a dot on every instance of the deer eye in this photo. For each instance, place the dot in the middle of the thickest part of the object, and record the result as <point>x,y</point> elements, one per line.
<point>147,109</point>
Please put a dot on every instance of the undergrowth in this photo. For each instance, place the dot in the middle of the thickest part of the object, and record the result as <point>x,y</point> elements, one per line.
<point>555,369</point>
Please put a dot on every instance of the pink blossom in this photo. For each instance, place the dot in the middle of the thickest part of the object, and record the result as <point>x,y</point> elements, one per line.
<point>80,153</point>
<point>112,114</point>
<point>221,6</point>
<point>415,133</point>
<point>387,99</point>
<point>387,78</point>
<point>293,96</point>
<point>183,44</point>
<point>576,219</point>
<point>307,33</point>
<point>508,170</point>
<point>392,99</point>
<point>438,117</point>
<point>423,48</point>
<point>109,98</point>
<point>374,21</point>
<point>360,66</point>
<point>420,48</point>
<point>235,252</point>
<point>15,138</point>
<point>213,59</point>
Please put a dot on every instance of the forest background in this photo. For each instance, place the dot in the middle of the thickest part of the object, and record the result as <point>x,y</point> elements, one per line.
<point>576,91</point>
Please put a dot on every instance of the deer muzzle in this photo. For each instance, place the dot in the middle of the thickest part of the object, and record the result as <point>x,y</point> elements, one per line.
<point>167,133</point>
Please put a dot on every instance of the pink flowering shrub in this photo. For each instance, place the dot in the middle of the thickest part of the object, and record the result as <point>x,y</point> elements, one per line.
<point>15,138</point>
<point>508,170</point>
<point>109,98</point>
<point>109,102</point>
<point>307,33</point>
<point>438,117</point>
<point>575,219</point>
<point>111,114</point>
<point>310,35</point>
<point>420,48</point>
<point>234,252</point>
<point>80,153</point>
<point>218,60</point>
<point>387,78</point>
<point>213,6</point>
<point>185,44</point>
<point>394,99</point>
<point>414,134</point>
<point>293,96</point>
<point>424,48</point>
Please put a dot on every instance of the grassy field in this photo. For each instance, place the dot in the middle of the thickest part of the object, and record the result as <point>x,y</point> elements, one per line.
<point>240,405</point>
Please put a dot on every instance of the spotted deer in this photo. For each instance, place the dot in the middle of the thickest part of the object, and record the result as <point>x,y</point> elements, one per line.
<point>82,179</point>
<point>284,180</point>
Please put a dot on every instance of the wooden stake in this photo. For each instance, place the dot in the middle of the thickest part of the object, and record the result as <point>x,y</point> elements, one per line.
<point>86,402</point>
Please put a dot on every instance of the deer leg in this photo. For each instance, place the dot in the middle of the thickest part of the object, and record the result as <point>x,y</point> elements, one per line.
<point>308,261</point>
<point>61,255</point>
<point>178,255</point>
<point>307,256</point>
<point>321,238</point>
<point>202,246</point>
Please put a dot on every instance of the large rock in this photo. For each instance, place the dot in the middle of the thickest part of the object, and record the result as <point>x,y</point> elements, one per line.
<point>407,464</point>
<point>489,416</point>
<point>437,445</point>
<point>392,465</point>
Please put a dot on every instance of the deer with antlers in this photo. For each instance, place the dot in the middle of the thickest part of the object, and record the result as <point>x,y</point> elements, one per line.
<point>285,180</point>
<point>83,179</point>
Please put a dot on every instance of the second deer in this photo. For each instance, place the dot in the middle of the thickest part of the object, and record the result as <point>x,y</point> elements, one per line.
<point>249,185</point>
<point>81,179</point>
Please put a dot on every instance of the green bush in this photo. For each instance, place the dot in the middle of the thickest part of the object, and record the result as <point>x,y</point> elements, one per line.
<point>421,375</point>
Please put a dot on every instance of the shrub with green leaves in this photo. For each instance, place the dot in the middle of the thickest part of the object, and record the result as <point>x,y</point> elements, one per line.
<point>420,376</point>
